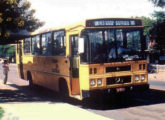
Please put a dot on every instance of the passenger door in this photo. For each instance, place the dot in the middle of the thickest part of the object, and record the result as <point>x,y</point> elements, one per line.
<point>74,65</point>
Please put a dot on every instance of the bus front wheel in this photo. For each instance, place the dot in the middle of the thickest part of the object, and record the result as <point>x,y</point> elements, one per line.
<point>64,91</point>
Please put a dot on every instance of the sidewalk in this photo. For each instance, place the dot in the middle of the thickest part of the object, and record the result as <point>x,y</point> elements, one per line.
<point>157,80</point>
<point>159,76</point>
<point>44,110</point>
<point>47,111</point>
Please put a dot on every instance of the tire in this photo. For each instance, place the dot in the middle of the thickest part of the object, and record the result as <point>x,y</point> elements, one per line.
<point>29,77</point>
<point>64,91</point>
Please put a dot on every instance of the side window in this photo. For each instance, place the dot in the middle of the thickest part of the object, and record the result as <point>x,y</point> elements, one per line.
<point>27,45</point>
<point>36,45</point>
<point>46,44</point>
<point>33,44</point>
<point>59,43</point>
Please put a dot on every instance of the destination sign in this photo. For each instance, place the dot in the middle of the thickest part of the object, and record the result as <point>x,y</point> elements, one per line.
<point>113,22</point>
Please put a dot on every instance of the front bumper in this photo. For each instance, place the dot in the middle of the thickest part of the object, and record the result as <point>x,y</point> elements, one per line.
<point>131,88</point>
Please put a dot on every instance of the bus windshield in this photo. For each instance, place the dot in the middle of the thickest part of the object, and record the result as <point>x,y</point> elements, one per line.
<point>106,45</point>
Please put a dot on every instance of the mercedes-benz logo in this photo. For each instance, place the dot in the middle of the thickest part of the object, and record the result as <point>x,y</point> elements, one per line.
<point>119,80</point>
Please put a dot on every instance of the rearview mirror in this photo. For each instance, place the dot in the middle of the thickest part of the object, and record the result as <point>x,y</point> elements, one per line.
<point>81,46</point>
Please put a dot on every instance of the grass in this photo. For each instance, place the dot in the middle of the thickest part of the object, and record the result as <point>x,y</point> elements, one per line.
<point>1,113</point>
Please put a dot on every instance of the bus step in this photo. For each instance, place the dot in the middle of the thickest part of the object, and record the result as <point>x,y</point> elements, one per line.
<point>77,97</point>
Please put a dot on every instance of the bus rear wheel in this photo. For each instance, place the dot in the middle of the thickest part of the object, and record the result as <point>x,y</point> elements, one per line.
<point>29,77</point>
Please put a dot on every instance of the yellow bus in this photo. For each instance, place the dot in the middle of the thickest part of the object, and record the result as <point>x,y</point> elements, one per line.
<point>95,56</point>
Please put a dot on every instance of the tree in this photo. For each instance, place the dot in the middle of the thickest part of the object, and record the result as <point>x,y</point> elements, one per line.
<point>157,32</point>
<point>148,24</point>
<point>7,51</point>
<point>158,3</point>
<point>16,15</point>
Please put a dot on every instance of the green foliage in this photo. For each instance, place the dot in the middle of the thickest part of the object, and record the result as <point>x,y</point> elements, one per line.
<point>159,16</point>
<point>158,3</point>
<point>7,51</point>
<point>157,32</point>
<point>1,112</point>
<point>148,24</point>
<point>16,15</point>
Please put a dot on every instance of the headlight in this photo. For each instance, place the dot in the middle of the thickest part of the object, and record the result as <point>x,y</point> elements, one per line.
<point>99,81</point>
<point>143,77</point>
<point>92,82</point>
<point>136,78</point>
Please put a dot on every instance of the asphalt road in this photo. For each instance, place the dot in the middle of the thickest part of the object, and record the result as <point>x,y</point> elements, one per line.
<point>157,84</point>
<point>147,106</point>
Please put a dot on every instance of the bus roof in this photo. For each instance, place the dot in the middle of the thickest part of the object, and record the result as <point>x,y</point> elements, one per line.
<point>98,23</point>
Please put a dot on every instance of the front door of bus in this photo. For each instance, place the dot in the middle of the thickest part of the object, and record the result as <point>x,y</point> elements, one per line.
<point>20,60</point>
<point>74,65</point>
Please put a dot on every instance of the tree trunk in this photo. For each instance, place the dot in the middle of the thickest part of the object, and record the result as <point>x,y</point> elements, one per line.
<point>3,31</point>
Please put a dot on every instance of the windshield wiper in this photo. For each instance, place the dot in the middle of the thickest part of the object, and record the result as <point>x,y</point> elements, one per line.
<point>130,57</point>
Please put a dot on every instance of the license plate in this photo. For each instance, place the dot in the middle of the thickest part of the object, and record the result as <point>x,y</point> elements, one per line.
<point>120,89</point>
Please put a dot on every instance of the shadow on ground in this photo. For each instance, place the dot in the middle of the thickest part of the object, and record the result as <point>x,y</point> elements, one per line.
<point>39,94</point>
<point>27,94</point>
<point>120,101</point>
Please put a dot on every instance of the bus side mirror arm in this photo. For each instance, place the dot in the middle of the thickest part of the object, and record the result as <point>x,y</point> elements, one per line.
<point>81,46</point>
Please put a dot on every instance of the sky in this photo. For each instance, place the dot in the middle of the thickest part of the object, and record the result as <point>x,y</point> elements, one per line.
<point>57,13</point>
